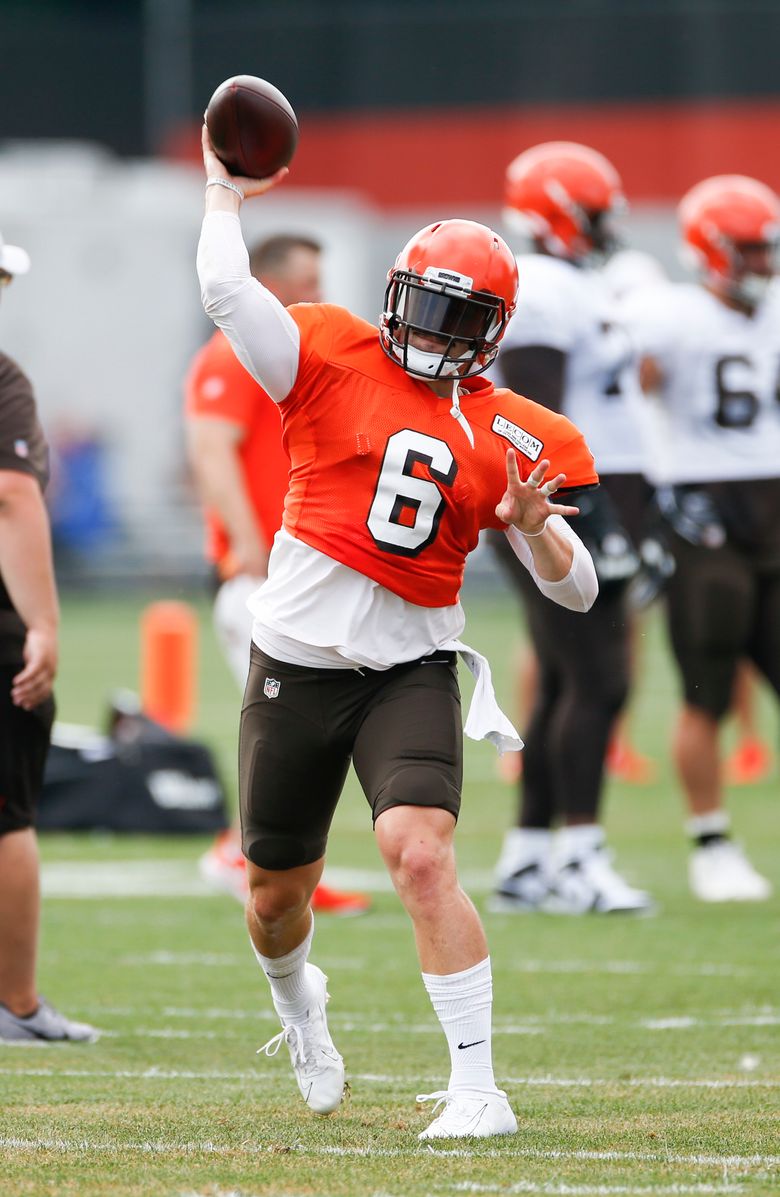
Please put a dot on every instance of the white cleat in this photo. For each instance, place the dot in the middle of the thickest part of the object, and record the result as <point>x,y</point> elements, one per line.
<point>46,1025</point>
<point>469,1114</point>
<point>720,872</point>
<point>590,884</point>
<point>318,1067</point>
<point>522,892</point>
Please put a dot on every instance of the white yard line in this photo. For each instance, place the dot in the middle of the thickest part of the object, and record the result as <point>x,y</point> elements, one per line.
<point>724,1017</point>
<point>685,1024</point>
<point>412,1081</point>
<point>166,959</point>
<point>180,878</point>
<point>208,1147</point>
<point>567,1190</point>
<point>122,879</point>
<point>346,1021</point>
<point>628,968</point>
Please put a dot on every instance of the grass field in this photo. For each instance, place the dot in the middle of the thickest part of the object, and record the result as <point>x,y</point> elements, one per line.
<point>641,1056</point>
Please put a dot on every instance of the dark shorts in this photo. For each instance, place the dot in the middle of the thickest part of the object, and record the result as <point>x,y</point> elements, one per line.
<point>632,495</point>
<point>301,727</point>
<point>24,743</point>
<point>723,604</point>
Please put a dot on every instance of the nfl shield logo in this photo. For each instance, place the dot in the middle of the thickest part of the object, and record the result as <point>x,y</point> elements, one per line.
<point>271,687</point>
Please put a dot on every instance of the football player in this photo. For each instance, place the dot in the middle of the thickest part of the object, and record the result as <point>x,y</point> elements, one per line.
<point>399,455</point>
<point>750,760</point>
<point>710,352</point>
<point>234,438</point>
<point>567,350</point>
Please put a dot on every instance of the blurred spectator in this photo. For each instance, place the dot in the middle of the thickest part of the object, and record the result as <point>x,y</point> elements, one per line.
<point>710,354</point>
<point>241,467</point>
<point>29,618</point>
<point>566,350</point>
<point>82,520</point>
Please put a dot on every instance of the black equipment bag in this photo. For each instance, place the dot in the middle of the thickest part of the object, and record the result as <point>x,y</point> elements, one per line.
<point>138,778</point>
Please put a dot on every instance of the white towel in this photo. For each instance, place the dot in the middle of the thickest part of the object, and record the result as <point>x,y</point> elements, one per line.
<point>485,720</point>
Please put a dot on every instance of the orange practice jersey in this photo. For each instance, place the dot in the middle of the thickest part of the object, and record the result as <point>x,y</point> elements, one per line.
<point>384,479</point>
<point>218,387</point>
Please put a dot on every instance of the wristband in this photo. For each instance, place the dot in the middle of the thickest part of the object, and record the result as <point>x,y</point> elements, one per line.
<point>217,182</point>
<point>539,533</point>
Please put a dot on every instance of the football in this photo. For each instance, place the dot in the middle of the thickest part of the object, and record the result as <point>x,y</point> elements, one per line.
<point>252,126</point>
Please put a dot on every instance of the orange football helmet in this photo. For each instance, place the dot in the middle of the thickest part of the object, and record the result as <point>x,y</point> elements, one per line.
<point>730,226</point>
<point>563,193</point>
<point>454,285</point>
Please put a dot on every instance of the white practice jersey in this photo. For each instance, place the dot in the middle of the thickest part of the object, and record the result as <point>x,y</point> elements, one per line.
<point>721,370</point>
<point>572,309</point>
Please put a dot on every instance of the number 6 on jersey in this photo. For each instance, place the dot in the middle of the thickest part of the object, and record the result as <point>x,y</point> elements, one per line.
<point>406,510</point>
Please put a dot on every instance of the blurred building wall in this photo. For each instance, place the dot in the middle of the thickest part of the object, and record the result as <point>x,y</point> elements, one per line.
<point>409,113</point>
<point>417,101</point>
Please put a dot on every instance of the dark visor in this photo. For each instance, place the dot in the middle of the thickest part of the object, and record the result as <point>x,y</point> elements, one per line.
<point>446,315</point>
<point>599,229</point>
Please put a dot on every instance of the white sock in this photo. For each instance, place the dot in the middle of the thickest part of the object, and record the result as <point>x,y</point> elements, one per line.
<point>463,1002</point>
<point>523,846</point>
<point>713,823</point>
<point>287,978</point>
<point>578,840</point>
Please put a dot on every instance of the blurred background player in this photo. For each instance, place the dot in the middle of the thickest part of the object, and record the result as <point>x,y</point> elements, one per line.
<point>627,272</point>
<point>234,438</point>
<point>711,353</point>
<point>564,349</point>
<point>29,619</point>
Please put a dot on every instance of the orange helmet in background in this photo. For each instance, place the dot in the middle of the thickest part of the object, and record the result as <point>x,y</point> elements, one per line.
<point>563,193</point>
<point>455,281</point>
<point>721,219</point>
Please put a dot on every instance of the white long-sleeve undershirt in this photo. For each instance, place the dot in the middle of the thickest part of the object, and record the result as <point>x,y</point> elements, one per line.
<point>579,589</point>
<point>264,336</point>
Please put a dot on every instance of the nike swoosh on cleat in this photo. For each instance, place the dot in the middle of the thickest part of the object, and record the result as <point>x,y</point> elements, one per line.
<point>463,1046</point>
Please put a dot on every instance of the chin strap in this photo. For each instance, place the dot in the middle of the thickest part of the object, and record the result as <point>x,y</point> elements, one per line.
<point>458,415</point>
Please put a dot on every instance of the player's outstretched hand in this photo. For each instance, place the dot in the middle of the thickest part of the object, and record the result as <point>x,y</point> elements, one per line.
<point>216,169</point>
<point>526,505</point>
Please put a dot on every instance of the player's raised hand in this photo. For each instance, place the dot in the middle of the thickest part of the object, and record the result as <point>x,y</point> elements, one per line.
<point>216,169</point>
<point>526,505</point>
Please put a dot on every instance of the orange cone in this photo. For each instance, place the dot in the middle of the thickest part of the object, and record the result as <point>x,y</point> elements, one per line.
<point>169,636</point>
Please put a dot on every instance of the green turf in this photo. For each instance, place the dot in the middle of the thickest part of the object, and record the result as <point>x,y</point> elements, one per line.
<point>641,1056</point>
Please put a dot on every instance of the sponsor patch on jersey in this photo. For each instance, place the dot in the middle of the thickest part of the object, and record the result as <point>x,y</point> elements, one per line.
<point>21,448</point>
<point>530,446</point>
<point>271,687</point>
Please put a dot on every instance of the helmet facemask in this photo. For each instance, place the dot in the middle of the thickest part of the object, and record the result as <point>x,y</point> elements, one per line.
<point>599,228</point>
<point>749,286</point>
<point>441,304</point>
